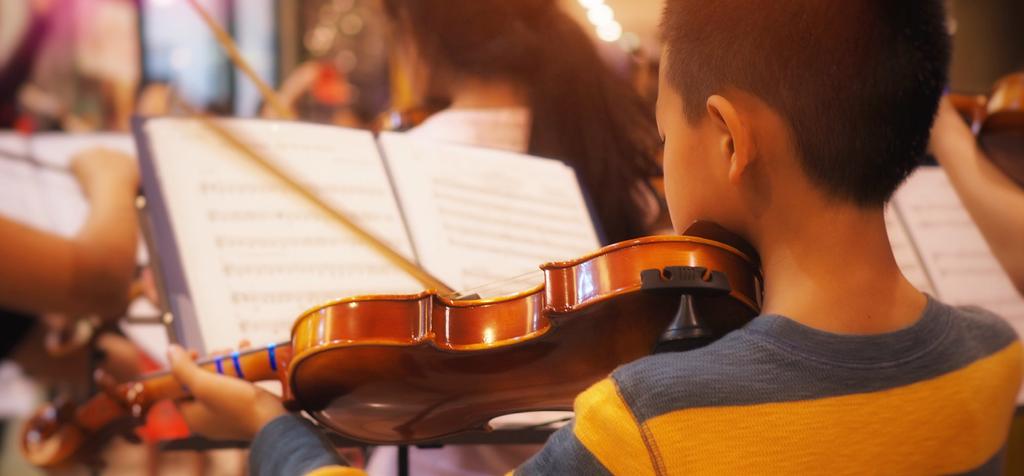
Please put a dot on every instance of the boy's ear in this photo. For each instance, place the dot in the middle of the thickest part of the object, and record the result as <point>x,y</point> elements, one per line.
<point>737,144</point>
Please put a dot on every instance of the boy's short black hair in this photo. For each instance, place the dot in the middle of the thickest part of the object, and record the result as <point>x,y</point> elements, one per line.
<point>857,80</point>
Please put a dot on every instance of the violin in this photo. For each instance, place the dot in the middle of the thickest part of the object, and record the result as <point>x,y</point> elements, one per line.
<point>998,123</point>
<point>414,368</point>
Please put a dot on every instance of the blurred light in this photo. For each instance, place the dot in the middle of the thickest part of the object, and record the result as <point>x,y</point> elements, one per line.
<point>609,32</point>
<point>347,61</point>
<point>630,41</point>
<point>320,39</point>
<point>601,15</point>
<point>351,24</point>
<point>606,28</point>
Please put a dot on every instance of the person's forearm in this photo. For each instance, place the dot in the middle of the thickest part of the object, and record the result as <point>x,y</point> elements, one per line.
<point>104,252</point>
<point>993,200</point>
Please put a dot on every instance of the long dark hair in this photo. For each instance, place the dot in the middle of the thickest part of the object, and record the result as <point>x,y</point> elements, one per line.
<point>582,113</point>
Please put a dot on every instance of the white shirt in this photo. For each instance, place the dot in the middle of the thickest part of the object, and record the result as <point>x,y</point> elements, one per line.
<point>498,128</point>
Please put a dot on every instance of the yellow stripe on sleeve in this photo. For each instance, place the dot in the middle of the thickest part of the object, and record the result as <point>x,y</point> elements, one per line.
<point>336,471</point>
<point>949,424</point>
<point>608,429</point>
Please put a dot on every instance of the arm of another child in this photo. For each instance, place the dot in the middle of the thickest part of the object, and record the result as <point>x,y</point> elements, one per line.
<point>992,198</point>
<point>90,272</point>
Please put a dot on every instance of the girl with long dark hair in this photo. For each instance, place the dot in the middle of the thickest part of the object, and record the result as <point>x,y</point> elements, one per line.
<point>523,75</point>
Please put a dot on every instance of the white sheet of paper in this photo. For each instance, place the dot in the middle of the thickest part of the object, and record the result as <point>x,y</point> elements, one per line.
<point>152,338</point>
<point>20,197</point>
<point>480,216</point>
<point>45,198</point>
<point>255,253</point>
<point>905,252</point>
<point>956,256</point>
<point>66,207</point>
<point>51,200</point>
<point>57,149</point>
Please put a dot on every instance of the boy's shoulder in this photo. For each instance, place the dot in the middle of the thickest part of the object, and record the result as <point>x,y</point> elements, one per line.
<point>732,370</point>
<point>981,325</point>
<point>774,359</point>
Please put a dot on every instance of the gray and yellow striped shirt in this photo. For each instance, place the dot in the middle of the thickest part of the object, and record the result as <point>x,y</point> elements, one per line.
<point>775,397</point>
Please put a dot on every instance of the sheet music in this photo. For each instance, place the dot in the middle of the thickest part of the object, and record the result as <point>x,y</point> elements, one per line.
<point>20,198</point>
<point>955,254</point>
<point>49,198</point>
<point>255,253</point>
<point>66,207</point>
<point>480,216</point>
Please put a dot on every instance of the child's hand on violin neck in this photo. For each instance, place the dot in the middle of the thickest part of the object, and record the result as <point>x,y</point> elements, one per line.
<point>223,407</point>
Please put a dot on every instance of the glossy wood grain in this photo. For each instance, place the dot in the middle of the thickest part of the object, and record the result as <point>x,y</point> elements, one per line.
<point>408,368</point>
<point>389,369</point>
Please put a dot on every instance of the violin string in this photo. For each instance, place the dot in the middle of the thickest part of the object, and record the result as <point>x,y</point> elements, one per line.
<point>494,284</point>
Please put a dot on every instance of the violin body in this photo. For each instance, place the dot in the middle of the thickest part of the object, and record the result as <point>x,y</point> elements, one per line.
<point>413,368</point>
<point>998,122</point>
<point>442,366</point>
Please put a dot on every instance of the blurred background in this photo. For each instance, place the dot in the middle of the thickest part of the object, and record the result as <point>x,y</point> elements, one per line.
<point>82,65</point>
<point>91,65</point>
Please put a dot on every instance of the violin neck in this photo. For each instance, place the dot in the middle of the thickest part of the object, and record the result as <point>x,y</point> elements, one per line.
<point>253,365</point>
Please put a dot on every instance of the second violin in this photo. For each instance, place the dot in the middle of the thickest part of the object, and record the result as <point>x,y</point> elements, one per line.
<point>998,122</point>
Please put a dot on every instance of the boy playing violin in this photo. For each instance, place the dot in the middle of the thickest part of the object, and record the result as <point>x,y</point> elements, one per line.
<point>790,123</point>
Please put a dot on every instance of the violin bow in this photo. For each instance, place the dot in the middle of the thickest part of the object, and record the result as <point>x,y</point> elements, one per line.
<point>271,98</point>
<point>231,49</point>
<point>396,258</point>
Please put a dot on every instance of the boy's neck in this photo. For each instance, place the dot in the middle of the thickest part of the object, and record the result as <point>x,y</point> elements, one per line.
<point>834,270</point>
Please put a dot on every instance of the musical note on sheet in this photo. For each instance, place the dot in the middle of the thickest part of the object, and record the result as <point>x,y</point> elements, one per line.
<point>478,216</point>
<point>255,253</point>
